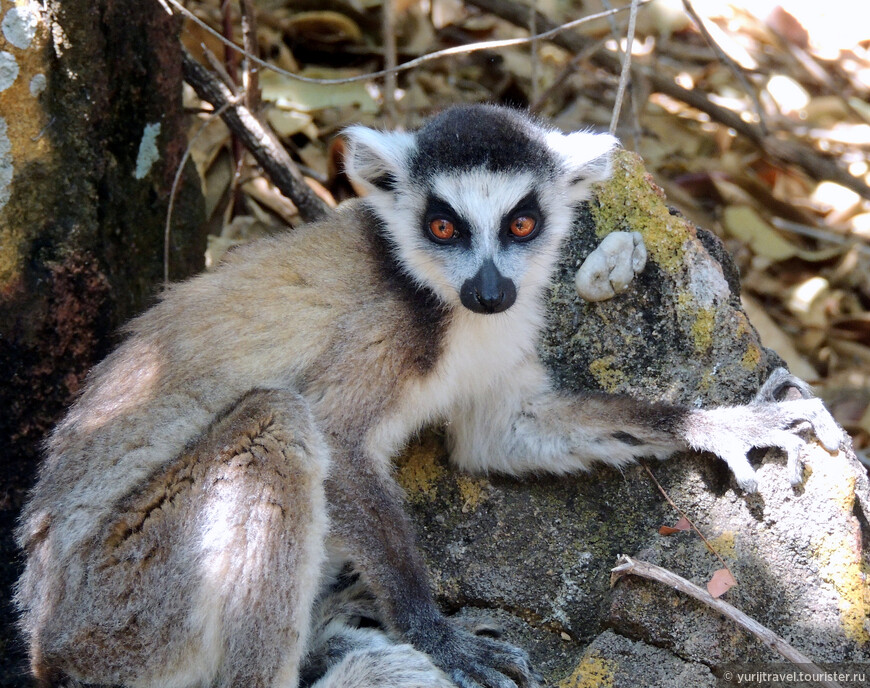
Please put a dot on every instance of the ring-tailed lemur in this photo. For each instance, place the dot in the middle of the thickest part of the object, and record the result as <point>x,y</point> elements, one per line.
<point>179,529</point>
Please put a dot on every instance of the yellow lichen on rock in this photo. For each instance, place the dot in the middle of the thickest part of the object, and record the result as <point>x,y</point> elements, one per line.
<point>608,377</point>
<point>752,357</point>
<point>702,329</point>
<point>701,321</point>
<point>725,544</point>
<point>23,139</point>
<point>838,551</point>
<point>840,566</point>
<point>419,471</point>
<point>472,490</point>
<point>629,201</point>
<point>593,671</point>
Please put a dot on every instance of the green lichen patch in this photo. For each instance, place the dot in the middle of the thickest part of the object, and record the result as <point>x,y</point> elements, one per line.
<point>630,202</point>
<point>606,375</point>
<point>677,332</point>
<point>592,672</point>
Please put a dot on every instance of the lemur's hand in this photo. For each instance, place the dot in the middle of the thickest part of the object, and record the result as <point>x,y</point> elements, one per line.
<point>611,267</point>
<point>730,432</point>
<point>472,661</point>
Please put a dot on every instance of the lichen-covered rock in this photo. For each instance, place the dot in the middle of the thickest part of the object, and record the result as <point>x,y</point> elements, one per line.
<point>536,555</point>
<point>617,662</point>
<point>678,332</point>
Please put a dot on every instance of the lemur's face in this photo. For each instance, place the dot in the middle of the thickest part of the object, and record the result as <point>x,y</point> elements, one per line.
<point>477,201</point>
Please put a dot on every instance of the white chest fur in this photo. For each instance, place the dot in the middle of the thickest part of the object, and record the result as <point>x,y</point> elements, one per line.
<point>480,352</point>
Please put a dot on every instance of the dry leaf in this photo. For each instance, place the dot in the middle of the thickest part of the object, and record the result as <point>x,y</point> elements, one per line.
<point>721,582</point>
<point>323,26</point>
<point>744,223</point>
<point>286,123</point>
<point>265,192</point>
<point>306,97</point>
<point>679,526</point>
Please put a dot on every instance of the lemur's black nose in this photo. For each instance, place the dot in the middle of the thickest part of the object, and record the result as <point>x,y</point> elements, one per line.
<point>488,291</point>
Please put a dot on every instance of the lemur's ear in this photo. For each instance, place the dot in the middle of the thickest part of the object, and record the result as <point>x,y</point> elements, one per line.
<point>377,159</point>
<point>586,159</point>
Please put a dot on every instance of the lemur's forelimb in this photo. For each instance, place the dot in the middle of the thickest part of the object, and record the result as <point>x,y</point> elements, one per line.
<point>536,429</point>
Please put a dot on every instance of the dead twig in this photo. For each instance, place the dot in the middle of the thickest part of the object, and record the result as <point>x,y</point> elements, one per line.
<point>563,76</point>
<point>231,77</point>
<point>625,71</point>
<point>688,520</point>
<point>262,144</point>
<point>633,100</point>
<point>533,48</point>
<point>626,565</point>
<point>388,29</point>
<point>252,71</point>
<point>410,64</point>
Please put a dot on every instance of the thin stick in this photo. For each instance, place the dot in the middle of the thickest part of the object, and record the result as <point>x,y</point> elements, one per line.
<point>174,190</point>
<point>683,514</point>
<point>219,68</point>
<point>820,234</point>
<point>626,565</point>
<point>735,68</point>
<point>262,144</point>
<point>411,64</point>
<point>533,48</point>
<point>614,29</point>
<point>626,67</point>
<point>252,71</point>
<point>227,27</point>
<point>388,29</point>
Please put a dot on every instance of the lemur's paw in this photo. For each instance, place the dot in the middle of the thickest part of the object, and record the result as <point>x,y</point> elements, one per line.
<point>730,432</point>
<point>396,666</point>
<point>473,661</point>
<point>611,267</point>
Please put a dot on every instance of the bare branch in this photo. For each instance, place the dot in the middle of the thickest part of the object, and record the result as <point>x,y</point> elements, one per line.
<point>262,144</point>
<point>411,64</point>
<point>627,565</point>
<point>388,29</point>
<point>625,72</point>
<point>252,70</point>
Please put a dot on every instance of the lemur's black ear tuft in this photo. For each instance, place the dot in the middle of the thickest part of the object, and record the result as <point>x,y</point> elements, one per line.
<point>586,159</point>
<point>377,159</point>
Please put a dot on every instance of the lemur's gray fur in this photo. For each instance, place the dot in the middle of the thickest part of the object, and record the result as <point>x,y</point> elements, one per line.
<point>226,459</point>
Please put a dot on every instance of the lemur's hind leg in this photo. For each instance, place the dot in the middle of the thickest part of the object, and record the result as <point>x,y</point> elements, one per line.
<point>208,572</point>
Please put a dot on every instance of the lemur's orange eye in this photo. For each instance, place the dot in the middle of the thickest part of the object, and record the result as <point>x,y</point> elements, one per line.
<point>522,226</point>
<point>442,229</point>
